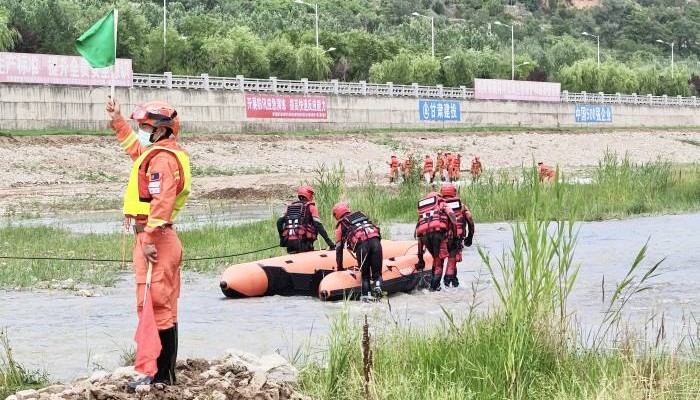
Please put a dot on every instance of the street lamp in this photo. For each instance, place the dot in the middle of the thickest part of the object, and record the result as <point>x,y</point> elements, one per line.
<point>584,33</point>
<point>432,30</point>
<point>512,49</point>
<point>446,57</point>
<point>315,6</point>
<point>670,44</point>
<point>523,63</point>
<point>330,49</point>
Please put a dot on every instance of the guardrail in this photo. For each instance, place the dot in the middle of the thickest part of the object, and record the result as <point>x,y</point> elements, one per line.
<point>362,88</point>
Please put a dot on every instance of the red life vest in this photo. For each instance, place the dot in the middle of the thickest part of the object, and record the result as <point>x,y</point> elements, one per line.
<point>460,211</point>
<point>431,216</point>
<point>357,228</point>
<point>298,222</point>
<point>428,166</point>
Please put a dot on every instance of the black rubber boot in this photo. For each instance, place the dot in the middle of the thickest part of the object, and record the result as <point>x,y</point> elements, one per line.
<point>168,340</point>
<point>435,283</point>
<point>365,287</point>
<point>377,289</point>
<point>173,362</point>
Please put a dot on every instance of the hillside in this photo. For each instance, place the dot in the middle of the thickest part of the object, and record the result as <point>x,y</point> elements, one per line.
<point>381,40</point>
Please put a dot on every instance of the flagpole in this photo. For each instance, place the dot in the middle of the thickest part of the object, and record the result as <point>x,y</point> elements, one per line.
<point>114,66</point>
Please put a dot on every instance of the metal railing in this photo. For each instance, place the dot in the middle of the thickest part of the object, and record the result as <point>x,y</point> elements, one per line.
<point>362,88</point>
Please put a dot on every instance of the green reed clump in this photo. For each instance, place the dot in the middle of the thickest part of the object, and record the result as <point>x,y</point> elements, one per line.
<point>526,348</point>
<point>14,377</point>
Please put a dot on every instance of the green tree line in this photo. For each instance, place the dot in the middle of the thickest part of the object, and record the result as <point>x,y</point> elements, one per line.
<point>381,41</point>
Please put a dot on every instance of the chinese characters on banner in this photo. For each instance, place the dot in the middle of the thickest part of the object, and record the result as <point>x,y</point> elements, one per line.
<point>588,113</point>
<point>501,89</point>
<point>438,110</point>
<point>62,70</point>
<point>271,106</point>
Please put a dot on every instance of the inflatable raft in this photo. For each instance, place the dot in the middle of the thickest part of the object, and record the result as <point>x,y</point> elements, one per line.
<point>296,274</point>
<point>398,273</point>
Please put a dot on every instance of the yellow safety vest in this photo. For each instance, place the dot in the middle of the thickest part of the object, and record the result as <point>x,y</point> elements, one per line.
<point>132,201</point>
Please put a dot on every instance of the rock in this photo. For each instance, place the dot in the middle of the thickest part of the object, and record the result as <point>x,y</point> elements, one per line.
<point>143,389</point>
<point>210,373</point>
<point>124,373</point>
<point>11,397</point>
<point>211,382</point>
<point>216,395</point>
<point>97,375</point>
<point>258,381</point>
<point>55,389</point>
<point>278,368</point>
<point>27,394</point>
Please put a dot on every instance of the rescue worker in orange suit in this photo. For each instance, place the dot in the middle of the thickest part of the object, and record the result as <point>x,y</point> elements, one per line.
<point>440,166</point>
<point>301,224</point>
<point>456,167</point>
<point>360,236</point>
<point>444,165</point>
<point>406,167</point>
<point>476,167</point>
<point>157,191</point>
<point>393,169</point>
<point>545,172</point>
<point>465,232</point>
<point>428,169</point>
<point>450,167</point>
<point>436,222</point>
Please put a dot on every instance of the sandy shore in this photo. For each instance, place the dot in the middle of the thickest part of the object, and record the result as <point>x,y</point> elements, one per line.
<point>55,172</point>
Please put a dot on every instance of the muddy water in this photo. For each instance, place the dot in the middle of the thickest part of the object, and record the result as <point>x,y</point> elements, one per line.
<point>69,335</point>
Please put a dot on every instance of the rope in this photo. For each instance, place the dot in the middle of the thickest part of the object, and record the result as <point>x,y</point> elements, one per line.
<point>121,260</point>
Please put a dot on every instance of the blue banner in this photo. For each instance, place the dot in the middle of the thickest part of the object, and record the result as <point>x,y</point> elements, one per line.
<point>438,110</point>
<point>589,113</point>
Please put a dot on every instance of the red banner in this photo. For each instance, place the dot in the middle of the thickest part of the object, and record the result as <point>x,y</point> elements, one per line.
<point>62,70</point>
<point>293,107</point>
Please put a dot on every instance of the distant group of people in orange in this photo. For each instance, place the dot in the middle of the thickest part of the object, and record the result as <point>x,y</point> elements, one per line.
<point>447,169</point>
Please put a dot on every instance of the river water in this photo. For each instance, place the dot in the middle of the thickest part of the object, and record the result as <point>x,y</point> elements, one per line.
<point>69,336</point>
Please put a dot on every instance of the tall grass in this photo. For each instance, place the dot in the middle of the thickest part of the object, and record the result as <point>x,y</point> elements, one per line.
<point>618,188</point>
<point>13,376</point>
<point>526,348</point>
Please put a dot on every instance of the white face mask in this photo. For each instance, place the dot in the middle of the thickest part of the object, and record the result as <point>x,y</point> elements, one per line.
<point>144,137</point>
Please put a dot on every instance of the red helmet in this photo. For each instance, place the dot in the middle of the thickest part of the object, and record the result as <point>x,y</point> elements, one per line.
<point>340,209</point>
<point>157,114</point>
<point>306,191</point>
<point>448,190</point>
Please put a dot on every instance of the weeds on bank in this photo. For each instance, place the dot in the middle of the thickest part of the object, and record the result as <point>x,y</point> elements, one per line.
<point>527,348</point>
<point>14,377</point>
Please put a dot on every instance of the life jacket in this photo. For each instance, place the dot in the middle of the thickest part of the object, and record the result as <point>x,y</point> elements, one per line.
<point>137,198</point>
<point>428,166</point>
<point>358,228</point>
<point>394,163</point>
<point>406,167</point>
<point>457,164</point>
<point>298,222</point>
<point>460,211</point>
<point>431,216</point>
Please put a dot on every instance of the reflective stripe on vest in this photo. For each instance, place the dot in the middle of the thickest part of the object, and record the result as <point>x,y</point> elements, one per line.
<point>431,216</point>
<point>459,211</point>
<point>134,204</point>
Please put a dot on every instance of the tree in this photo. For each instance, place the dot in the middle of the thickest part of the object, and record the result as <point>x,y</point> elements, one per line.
<point>238,52</point>
<point>461,68</point>
<point>565,51</point>
<point>365,49</point>
<point>8,35</point>
<point>313,63</point>
<point>283,58</point>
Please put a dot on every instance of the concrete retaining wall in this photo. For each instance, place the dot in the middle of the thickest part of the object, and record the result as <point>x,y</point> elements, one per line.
<point>25,106</point>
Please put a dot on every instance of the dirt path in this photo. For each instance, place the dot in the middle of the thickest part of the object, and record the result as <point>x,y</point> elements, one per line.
<point>77,172</point>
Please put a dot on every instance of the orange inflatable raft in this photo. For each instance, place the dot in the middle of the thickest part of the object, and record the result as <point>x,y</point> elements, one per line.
<point>399,274</point>
<point>295,274</point>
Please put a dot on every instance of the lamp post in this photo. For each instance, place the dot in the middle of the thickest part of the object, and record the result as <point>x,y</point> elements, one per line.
<point>315,6</point>
<point>330,49</point>
<point>165,15</point>
<point>584,33</point>
<point>432,30</point>
<point>670,44</point>
<point>512,48</point>
<point>446,57</point>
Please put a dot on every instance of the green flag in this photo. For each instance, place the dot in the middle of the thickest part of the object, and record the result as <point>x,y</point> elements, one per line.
<point>98,44</point>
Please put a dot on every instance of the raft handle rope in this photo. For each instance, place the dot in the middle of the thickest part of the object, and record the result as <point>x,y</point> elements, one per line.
<point>113,260</point>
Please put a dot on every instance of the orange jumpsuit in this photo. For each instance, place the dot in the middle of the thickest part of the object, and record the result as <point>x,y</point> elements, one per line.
<point>157,228</point>
<point>406,168</point>
<point>545,172</point>
<point>428,169</point>
<point>444,165</point>
<point>440,166</point>
<point>393,169</point>
<point>476,168</point>
<point>456,166</point>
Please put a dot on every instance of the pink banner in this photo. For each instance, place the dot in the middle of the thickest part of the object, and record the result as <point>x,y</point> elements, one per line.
<point>62,70</point>
<point>501,89</point>
<point>271,106</point>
